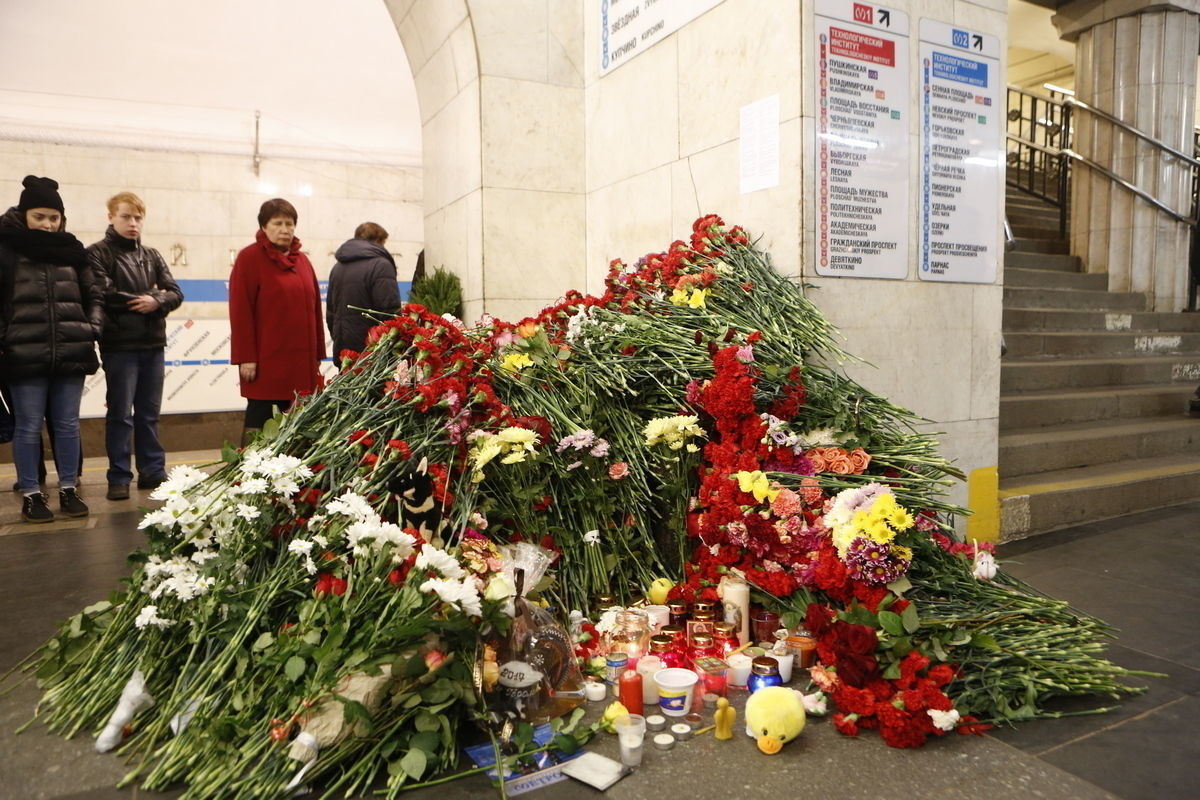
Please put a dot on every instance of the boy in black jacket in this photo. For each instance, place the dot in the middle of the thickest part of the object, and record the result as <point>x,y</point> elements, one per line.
<point>139,292</point>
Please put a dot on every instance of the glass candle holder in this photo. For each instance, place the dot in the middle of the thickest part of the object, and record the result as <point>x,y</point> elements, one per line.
<point>763,625</point>
<point>764,672</point>
<point>629,635</point>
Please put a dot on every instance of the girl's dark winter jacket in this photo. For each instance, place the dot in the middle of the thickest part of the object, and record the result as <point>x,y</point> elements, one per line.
<point>51,315</point>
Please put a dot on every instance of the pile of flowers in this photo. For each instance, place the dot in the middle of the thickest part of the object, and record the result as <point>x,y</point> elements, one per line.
<point>338,577</point>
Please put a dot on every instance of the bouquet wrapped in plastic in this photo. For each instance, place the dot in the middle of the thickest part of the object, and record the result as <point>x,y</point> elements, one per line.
<point>531,674</point>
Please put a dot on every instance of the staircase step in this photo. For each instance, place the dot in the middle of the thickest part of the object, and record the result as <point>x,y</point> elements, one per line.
<point>1035,245</point>
<point>1043,261</point>
<point>1054,344</point>
<point>1021,218</point>
<point>1058,407</point>
<point>1027,297</point>
<point>1034,231</point>
<point>1018,375</point>
<point>1051,500</point>
<point>1055,279</point>
<point>1040,319</point>
<point>1029,451</point>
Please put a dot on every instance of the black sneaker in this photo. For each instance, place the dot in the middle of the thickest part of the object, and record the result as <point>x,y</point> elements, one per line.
<point>35,508</point>
<point>151,483</point>
<point>118,491</point>
<point>70,504</point>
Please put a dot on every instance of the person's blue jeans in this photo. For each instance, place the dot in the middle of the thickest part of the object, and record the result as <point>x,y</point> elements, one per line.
<point>134,396</point>
<point>32,397</point>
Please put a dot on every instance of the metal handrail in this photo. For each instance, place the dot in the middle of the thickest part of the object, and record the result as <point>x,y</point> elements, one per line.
<point>1117,179</point>
<point>1068,103</point>
<point>1125,126</point>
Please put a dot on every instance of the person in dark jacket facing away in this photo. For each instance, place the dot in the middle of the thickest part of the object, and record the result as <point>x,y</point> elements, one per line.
<point>139,292</point>
<point>51,315</point>
<point>364,277</point>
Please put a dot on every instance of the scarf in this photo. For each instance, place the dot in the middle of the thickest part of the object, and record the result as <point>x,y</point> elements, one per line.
<point>114,239</point>
<point>284,260</point>
<point>42,247</point>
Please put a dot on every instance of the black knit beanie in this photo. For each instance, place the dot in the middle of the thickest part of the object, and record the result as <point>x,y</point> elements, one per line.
<point>40,193</point>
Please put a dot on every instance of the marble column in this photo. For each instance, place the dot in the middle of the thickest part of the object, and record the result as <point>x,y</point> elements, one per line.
<point>1137,61</point>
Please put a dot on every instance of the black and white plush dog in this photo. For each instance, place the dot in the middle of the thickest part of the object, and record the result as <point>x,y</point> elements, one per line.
<point>417,507</point>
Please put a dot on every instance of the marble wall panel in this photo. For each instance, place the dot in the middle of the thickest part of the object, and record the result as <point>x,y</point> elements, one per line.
<point>533,135</point>
<point>632,118</point>
<point>437,83</point>
<point>986,308</point>
<point>451,143</point>
<point>711,183</point>
<point>466,59</point>
<point>436,20</point>
<point>511,37</point>
<point>533,244</point>
<point>628,219</point>
<point>565,44</point>
<point>739,52</point>
<point>917,336</point>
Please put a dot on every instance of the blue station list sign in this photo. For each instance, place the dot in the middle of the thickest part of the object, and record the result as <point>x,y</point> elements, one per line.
<point>962,154</point>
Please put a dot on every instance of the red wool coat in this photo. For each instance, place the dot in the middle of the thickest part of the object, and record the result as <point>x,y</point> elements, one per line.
<point>275,320</point>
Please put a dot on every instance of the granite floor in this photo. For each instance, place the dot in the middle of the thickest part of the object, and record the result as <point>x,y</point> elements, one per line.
<point>1137,572</point>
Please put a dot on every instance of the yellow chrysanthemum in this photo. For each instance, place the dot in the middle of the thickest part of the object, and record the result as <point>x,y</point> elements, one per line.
<point>879,532</point>
<point>900,519</point>
<point>515,362</point>
<point>900,551</point>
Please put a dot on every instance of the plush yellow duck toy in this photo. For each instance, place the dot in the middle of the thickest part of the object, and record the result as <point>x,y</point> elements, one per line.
<point>774,716</point>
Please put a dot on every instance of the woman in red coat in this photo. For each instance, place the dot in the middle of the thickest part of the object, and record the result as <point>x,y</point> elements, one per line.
<point>277,339</point>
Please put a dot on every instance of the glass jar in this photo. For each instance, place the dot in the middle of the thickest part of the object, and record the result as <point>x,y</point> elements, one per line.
<point>803,647</point>
<point>702,647</point>
<point>763,625</point>
<point>702,607</point>
<point>764,672</point>
<point>630,635</point>
<point>678,613</point>
<point>663,646</point>
<point>725,638</point>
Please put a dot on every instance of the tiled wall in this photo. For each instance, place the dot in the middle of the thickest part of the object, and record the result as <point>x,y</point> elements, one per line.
<point>209,203</point>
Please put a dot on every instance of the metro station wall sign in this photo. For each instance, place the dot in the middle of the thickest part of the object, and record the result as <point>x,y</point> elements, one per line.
<point>630,27</point>
<point>962,153</point>
<point>862,146</point>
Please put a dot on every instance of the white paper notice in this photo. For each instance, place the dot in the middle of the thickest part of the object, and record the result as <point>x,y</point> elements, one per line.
<point>962,153</point>
<point>760,144</point>
<point>862,140</point>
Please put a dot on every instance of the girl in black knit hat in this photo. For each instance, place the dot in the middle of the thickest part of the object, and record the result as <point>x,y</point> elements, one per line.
<point>51,315</point>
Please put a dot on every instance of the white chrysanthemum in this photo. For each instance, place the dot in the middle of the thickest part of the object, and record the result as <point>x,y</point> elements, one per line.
<point>149,616</point>
<point>468,598</point>
<point>201,556</point>
<point>251,486</point>
<point>352,505</point>
<point>248,512</point>
<point>300,547</point>
<point>439,560</point>
<point>178,577</point>
<point>943,720</point>
<point>180,480</point>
